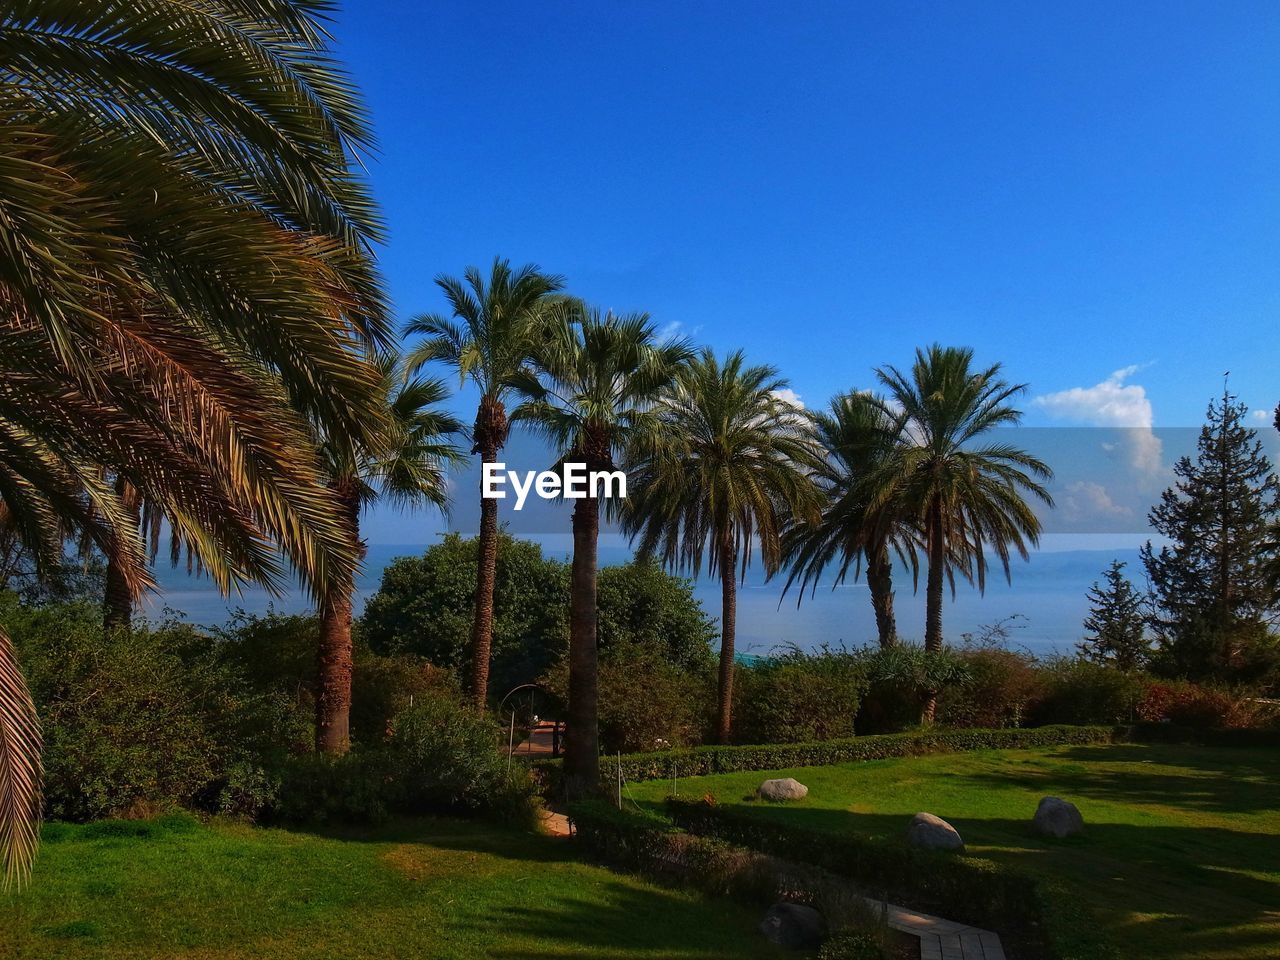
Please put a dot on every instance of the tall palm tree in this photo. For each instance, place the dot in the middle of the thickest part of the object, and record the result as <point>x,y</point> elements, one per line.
<point>501,319</point>
<point>600,374</point>
<point>184,282</point>
<point>729,465</point>
<point>410,469</point>
<point>967,496</point>
<point>859,435</point>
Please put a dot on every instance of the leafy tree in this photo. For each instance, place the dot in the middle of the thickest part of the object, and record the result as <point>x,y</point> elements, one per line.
<point>1116,628</point>
<point>501,325</point>
<point>726,468</point>
<point>408,468</point>
<point>601,374</point>
<point>859,435</point>
<point>426,604</point>
<point>1210,584</point>
<point>184,254</point>
<point>965,496</point>
<point>643,606</point>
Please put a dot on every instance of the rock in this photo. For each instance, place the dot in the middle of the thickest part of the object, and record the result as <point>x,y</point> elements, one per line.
<point>794,925</point>
<point>787,789</point>
<point>1058,818</point>
<point>933,833</point>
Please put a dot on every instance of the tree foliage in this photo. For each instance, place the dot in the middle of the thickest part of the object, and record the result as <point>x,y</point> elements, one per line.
<point>1116,628</point>
<point>1211,587</point>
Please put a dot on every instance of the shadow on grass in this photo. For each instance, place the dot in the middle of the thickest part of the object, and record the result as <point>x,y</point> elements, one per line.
<point>1186,891</point>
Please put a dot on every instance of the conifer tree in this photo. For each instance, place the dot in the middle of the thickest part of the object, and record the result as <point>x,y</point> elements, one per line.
<point>1210,588</point>
<point>1116,630</point>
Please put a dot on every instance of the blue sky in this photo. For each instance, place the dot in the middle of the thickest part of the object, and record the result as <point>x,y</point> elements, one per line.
<point>1074,190</point>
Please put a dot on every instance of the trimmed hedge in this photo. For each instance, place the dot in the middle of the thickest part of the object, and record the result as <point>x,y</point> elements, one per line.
<point>701,761</point>
<point>1039,918</point>
<point>1173,733</point>
<point>650,844</point>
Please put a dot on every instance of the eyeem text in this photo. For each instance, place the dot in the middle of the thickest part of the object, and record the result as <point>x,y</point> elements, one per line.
<point>575,482</point>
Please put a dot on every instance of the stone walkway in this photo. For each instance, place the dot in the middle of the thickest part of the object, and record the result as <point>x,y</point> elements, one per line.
<point>943,939</point>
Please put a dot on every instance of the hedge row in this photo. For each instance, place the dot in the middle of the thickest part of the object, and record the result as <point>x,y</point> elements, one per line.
<point>653,845</point>
<point>1173,733</point>
<point>701,761</point>
<point>1039,918</point>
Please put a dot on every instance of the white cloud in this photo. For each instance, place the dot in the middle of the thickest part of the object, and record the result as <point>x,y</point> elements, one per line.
<point>1085,499</point>
<point>788,395</point>
<point>1263,416</point>
<point>1113,403</point>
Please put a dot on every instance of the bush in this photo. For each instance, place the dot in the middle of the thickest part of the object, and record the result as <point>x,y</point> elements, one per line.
<point>701,761</point>
<point>1202,707</point>
<point>145,719</point>
<point>425,606</point>
<point>651,844</point>
<point>900,679</point>
<point>1079,691</point>
<point>798,697</point>
<point>440,757</point>
<point>277,653</point>
<point>997,690</point>
<point>646,701</point>
<point>1031,913</point>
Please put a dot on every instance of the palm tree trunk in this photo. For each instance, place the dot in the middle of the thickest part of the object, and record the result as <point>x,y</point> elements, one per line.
<point>880,581</point>
<point>728,635</point>
<point>334,656</point>
<point>486,575</point>
<point>933,600</point>
<point>582,736</point>
<point>117,598</point>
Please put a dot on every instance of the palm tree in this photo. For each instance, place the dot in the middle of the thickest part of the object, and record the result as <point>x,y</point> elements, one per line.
<point>409,468</point>
<point>729,466</point>
<point>859,435</point>
<point>184,282</point>
<point>501,319</point>
<point>600,374</point>
<point>966,497</point>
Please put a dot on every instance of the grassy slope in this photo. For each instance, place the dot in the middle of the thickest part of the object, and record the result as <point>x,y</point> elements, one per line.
<point>1182,857</point>
<point>432,889</point>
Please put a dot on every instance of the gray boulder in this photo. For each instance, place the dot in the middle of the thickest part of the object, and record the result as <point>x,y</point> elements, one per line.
<point>794,925</point>
<point>933,833</point>
<point>787,789</point>
<point>1058,818</point>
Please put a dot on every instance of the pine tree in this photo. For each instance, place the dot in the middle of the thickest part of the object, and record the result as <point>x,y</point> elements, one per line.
<point>1210,585</point>
<point>1116,630</point>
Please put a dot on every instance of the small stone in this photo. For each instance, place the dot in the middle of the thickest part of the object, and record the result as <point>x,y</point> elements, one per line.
<point>794,925</point>
<point>787,789</point>
<point>933,833</point>
<point>1058,818</point>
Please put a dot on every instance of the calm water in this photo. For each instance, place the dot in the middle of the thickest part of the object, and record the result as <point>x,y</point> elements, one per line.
<point>1048,591</point>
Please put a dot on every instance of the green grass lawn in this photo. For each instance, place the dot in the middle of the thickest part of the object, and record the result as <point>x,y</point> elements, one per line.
<point>428,889</point>
<point>1182,857</point>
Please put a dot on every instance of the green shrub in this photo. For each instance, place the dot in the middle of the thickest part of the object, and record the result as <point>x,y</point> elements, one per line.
<point>1080,691</point>
<point>1203,707</point>
<point>141,720</point>
<point>798,697</point>
<point>646,701</point>
<point>445,757</point>
<point>651,844</point>
<point>1030,914</point>
<point>701,761</point>
<point>318,788</point>
<point>439,757</point>
<point>853,946</point>
<point>899,681</point>
<point>997,689</point>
